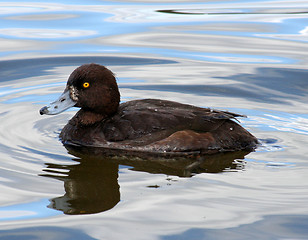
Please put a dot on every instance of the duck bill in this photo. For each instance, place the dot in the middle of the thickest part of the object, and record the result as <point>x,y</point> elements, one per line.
<point>61,104</point>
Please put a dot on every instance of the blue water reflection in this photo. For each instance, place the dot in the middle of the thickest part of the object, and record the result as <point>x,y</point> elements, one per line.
<point>31,233</point>
<point>263,229</point>
<point>26,211</point>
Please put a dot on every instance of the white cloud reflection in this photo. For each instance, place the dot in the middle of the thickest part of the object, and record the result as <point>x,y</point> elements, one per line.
<point>45,33</point>
<point>42,17</point>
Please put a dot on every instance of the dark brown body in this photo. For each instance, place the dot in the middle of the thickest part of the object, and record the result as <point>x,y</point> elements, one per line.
<point>160,126</point>
<point>149,125</point>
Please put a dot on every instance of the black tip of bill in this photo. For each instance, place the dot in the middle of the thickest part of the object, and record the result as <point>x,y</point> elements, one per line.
<point>43,110</point>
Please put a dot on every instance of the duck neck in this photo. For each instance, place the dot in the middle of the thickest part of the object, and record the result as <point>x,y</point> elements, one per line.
<point>85,117</point>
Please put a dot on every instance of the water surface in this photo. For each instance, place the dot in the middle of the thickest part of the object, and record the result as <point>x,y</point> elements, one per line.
<point>248,57</point>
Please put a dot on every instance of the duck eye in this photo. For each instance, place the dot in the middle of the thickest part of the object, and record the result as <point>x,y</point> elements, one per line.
<point>86,85</point>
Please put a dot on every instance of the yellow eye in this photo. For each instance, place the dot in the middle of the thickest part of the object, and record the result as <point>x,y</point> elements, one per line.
<point>86,85</point>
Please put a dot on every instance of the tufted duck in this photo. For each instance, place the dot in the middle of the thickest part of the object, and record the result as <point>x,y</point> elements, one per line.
<point>148,125</point>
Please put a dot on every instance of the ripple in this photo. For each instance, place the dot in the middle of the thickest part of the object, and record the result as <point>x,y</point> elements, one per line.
<point>228,11</point>
<point>283,122</point>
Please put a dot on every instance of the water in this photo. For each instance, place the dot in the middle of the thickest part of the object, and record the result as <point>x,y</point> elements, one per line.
<point>248,57</point>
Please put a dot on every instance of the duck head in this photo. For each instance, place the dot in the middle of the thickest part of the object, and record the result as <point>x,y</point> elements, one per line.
<point>91,87</point>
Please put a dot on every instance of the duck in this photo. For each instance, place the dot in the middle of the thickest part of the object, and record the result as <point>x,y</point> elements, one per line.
<point>142,125</point>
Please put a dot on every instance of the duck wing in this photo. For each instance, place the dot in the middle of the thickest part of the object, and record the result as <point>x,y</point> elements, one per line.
<point>156,119</point>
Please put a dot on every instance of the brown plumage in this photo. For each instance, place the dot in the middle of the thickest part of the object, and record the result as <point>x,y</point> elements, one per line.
<point>148,125</point>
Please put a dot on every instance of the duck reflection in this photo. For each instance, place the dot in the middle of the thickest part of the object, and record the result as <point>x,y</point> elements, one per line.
<point>91,185</point>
